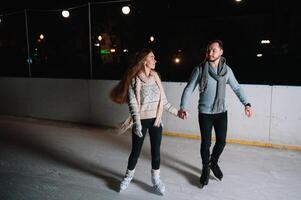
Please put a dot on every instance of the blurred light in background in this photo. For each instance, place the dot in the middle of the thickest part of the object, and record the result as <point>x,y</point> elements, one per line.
<point>126,10</point>
<point>41,36</point>
<point>151,39</point>
<point>65,13</point>
<point>265,41</point>
<point>177,60</point>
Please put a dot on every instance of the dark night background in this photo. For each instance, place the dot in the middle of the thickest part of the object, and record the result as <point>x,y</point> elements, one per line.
<point>181,29</point>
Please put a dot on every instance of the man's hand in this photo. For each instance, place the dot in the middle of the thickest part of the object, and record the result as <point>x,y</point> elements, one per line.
<point>182,114</point>
<point>248,111</point>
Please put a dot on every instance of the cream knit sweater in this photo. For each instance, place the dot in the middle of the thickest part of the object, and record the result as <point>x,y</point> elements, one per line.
<point>146,100</point>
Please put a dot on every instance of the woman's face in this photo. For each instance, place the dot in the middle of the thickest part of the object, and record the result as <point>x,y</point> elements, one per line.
<point>150,61</point>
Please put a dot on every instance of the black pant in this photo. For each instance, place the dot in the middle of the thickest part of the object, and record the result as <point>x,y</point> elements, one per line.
<point>219,122</point>
<point>155,134</point>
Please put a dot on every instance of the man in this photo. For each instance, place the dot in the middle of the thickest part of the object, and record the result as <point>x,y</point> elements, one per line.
<point>212,76</point>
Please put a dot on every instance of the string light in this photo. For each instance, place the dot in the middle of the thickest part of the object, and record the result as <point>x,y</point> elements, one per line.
<point>126,10</point>
<point>68,9</point>
<point>65,13</point>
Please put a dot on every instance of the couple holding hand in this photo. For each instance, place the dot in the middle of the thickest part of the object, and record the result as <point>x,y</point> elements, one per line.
<point>142,90</point>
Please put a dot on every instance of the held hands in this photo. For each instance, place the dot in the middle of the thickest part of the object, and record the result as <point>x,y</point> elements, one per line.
<point>183,114</point>
<point>138,129</point>
<point>248,111</point>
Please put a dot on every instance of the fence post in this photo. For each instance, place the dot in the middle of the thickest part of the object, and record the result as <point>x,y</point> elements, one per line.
<point>28,49</point>
<point>90,40</point>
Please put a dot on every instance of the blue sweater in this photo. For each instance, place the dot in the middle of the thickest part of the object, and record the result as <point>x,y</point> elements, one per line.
<point>206,99</point>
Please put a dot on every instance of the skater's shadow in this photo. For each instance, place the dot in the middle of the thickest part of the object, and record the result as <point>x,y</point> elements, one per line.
<point>32,141</point>
<point>190,172</point>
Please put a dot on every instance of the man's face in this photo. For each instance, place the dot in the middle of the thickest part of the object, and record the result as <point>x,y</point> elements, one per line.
<point>214,52</point>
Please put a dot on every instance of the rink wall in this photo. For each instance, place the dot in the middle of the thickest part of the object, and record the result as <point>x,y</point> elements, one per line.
<point>276,121</point>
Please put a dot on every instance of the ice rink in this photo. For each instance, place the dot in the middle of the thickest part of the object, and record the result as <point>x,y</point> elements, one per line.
<point>43,160</point>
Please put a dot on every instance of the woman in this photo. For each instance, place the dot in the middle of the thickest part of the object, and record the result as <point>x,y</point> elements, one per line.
<point>141,88</point>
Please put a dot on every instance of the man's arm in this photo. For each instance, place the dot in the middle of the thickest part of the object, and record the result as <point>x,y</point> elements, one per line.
<point>237,89</point>
<point>190,87</point>
<point>239,92</point>
<point>188,90</point>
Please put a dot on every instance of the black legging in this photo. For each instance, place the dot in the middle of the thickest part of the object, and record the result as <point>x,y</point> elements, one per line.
<point>155,134</point>
<point>219,122</point>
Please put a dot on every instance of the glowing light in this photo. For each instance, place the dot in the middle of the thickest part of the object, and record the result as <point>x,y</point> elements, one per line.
<point>112,50</point>
<point>125,50</point>
<point>99,38</point>
<point>97,44</point>
<point>41,36</point>
<point>177,60</point>
<point>238,0</point>
<point>126,10</point>
<point>65,13</point>
<point>104,52</point>
<point>265,41</point>
<point>259,55</point>
<point>151,38</point>
<point>29,60</point>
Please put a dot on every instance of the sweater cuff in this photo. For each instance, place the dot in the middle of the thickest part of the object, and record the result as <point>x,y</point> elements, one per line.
<point>174,111</point>
<point>248,104</point>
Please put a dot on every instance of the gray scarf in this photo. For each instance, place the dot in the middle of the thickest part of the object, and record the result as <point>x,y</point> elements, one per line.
<point>206,69</point>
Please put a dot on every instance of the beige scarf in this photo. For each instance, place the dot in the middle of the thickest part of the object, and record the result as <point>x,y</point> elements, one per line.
<point>137,86</point>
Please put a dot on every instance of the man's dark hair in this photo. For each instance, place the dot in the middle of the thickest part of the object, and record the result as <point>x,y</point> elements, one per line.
<point>220,43</point>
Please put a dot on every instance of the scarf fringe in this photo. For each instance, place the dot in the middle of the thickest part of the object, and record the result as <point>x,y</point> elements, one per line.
<point>124,126</point>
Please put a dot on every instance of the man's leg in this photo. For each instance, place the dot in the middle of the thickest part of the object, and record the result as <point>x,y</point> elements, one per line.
<point>205,122</point>
<point>220,127</point>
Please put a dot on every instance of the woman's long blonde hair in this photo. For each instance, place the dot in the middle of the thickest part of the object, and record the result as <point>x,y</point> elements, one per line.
<point>119,93</point>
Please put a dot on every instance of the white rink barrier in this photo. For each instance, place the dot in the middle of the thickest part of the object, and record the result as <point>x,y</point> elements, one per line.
<point>276,121</point>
